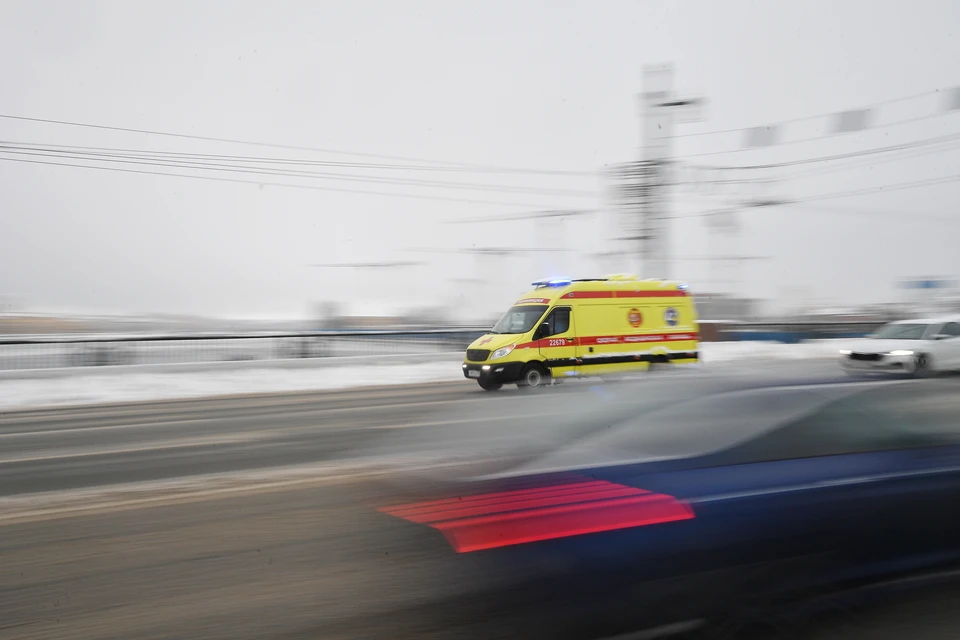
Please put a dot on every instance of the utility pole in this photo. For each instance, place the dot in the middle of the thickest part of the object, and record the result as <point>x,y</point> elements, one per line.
<point>645,196</point>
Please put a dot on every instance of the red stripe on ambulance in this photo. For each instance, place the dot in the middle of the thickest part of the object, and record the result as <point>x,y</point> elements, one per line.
<point>657,337</point>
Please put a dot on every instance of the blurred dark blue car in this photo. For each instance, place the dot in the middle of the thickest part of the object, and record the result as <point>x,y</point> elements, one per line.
<point>725,499</point>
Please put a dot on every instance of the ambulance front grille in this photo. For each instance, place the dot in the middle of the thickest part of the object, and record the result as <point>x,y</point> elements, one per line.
<point>477,355</point>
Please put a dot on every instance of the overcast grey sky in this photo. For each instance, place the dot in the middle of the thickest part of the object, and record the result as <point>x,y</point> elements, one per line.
<point>540,85</point>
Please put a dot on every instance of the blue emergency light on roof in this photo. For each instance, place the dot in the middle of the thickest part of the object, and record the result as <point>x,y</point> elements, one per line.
<point>556,282</point>
<point>683,287</point>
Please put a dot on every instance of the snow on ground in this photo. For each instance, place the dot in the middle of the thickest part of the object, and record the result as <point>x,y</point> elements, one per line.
<point>95,388</point>
<point>726,351</point>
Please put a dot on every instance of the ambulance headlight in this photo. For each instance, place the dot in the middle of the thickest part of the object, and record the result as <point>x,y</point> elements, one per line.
<point>502,352</point>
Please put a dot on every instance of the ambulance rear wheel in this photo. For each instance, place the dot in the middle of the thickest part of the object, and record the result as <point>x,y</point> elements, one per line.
<point>489,386</point>
<point>659,363</point>
<point>533,377</point>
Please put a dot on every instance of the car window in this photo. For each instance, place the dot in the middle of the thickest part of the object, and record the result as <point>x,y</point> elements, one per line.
<point>951,329</point>
<point>891,417</point>
<point>519,319</point>
<point>558,322</point>
<point>901,331</point>
<point>561,321</point>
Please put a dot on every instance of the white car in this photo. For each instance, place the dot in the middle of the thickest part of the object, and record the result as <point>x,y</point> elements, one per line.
<point>910,346</point>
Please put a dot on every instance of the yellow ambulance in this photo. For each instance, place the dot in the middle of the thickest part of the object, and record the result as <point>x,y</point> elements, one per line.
<point>575,328</point>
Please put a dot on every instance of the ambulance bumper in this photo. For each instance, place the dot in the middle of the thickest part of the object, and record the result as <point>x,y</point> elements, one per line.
<point>495,373</point>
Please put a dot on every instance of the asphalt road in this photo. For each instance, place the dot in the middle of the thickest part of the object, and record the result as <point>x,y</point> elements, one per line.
<point>72,448</point>
<point>252,518</point>
<point>49,450</point>
<point>227,518</point>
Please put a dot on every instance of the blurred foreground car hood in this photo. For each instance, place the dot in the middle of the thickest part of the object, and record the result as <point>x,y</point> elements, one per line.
<point>713,422</point>
<point>495,433</point>
<point>596,426</point>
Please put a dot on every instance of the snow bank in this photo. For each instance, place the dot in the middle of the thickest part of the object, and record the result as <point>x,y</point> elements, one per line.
<point>116,387</point>
<point>96,388</point>
<point>729,351</point>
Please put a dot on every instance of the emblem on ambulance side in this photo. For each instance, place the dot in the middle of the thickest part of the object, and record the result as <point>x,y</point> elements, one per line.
<point>635,318</point>
<point>670,316</point>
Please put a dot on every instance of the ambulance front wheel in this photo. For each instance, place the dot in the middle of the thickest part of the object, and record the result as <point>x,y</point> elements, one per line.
<point>489,386</point>
<point>534,376</point>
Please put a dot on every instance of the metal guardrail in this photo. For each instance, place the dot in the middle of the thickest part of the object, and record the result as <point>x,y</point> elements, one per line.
<point>792,332</point>
<point>48,352</point>
<point>59,351</point>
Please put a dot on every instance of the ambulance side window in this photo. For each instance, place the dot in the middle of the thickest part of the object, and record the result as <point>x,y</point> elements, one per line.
<point>557,323</point>
<point>561,321</point>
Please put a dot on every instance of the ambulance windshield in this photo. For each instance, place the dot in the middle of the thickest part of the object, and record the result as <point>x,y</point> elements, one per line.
<point>519,319</point>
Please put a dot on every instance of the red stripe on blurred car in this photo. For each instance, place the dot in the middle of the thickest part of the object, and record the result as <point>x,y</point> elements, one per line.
<point>439,506</point>
<point>499,506</point>
<point>492,520</point>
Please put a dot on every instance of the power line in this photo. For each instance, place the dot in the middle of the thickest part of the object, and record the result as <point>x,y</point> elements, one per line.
<point>813,138</point>
<point>870,161</point>
<point>491,251</point>
<point>530,215</point>
<point>254,143</point>
<point>902,215</point>
<point>855,163</point>
<point>881,189</point>
<point>917,184</point>
<point>813,117</point>
<point>841,156</point>
<point>298,161</point>
<point>273,184</point>
<point>941,144</point>
<point>179,164</point>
